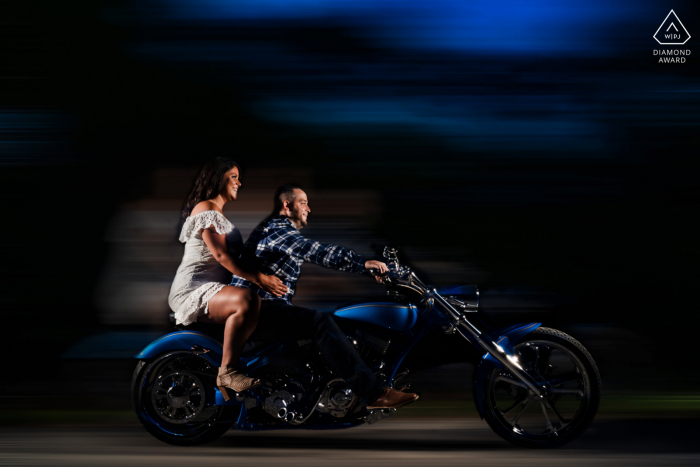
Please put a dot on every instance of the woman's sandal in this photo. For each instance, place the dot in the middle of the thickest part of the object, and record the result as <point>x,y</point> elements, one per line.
<point>232,379</point>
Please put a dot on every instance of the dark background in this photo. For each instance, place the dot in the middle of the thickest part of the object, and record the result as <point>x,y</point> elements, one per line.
<point>567,165</point>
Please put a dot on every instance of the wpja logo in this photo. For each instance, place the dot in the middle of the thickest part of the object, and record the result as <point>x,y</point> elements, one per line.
<point>672,32</point>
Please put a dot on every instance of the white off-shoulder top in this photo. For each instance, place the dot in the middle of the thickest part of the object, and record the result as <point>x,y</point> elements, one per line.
<point>200,276</point>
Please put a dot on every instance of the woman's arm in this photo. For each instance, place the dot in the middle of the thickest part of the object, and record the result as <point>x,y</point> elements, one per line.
<point>217,246</point>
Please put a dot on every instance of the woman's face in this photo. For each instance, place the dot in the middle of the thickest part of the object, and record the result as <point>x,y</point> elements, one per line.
<point>232,183</point>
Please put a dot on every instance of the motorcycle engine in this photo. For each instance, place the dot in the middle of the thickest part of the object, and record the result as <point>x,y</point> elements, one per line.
<point>282,404</point>
<point>337,400</point>
<point>279,404</point>
<point>295,388</point>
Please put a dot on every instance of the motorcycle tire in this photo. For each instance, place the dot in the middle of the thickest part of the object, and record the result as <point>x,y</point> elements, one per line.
<point>174,398</point>
<point>522,418</point>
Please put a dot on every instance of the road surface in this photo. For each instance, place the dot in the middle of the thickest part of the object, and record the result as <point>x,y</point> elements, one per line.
<point>609,442</point>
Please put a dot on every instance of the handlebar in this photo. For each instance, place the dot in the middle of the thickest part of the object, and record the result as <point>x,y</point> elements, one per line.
<point>400,276</point>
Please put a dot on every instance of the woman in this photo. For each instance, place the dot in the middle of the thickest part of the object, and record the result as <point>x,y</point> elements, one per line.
<point>199,288</point>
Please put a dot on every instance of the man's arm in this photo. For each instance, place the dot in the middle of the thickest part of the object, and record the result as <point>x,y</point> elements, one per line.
<point>291,242</point>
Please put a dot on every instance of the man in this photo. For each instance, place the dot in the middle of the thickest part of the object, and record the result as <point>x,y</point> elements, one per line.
<point>276,247</point>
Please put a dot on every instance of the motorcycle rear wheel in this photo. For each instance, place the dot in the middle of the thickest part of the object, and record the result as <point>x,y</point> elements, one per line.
<point>173,396</point>
<point>519,416</point>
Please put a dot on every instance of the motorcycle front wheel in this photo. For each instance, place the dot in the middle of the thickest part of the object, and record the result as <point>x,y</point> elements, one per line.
<point>519,416</point>
<point>173,396</point>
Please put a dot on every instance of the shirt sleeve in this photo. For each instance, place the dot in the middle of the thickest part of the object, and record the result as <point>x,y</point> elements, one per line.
<point>291,242</point>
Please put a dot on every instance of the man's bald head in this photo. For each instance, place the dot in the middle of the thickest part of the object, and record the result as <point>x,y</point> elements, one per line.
<point>285,193</point>
<point>291,202</point>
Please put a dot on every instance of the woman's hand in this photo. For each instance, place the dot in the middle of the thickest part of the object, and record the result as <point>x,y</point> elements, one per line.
<point>272,284</point>
<point>217,246</point>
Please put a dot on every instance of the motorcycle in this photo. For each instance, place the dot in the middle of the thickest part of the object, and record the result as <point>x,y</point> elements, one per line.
<point>534,386</point>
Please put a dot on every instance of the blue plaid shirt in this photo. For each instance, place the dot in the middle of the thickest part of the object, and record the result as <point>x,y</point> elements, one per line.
<point>276,247</point>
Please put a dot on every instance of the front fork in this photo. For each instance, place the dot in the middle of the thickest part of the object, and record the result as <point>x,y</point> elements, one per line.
<point>471,333</point>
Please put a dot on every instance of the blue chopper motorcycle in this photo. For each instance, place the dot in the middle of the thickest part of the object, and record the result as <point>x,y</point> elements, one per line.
<point>535,386</point>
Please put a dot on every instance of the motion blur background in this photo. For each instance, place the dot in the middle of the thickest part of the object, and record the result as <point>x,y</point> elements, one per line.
<point>537,149</point>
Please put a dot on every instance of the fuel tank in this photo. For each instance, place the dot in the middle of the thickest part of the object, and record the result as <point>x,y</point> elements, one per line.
<point>390,315</point>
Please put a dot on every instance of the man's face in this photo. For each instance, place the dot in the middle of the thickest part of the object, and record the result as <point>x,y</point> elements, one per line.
<point>298,210</point>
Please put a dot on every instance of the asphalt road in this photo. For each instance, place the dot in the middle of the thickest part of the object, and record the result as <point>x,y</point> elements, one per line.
<point>392,442</point>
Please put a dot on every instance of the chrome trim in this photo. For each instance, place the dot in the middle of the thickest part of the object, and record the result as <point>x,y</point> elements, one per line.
<point>378,415</point>
<point>472,333</point>
<point>299,418</point>
<point>466,307</point>
<point>399,376</point>
<point>199,350</point>
<point>405,277</point>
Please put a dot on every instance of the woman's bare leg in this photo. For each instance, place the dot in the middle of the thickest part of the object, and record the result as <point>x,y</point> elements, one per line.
<point>238,309</point>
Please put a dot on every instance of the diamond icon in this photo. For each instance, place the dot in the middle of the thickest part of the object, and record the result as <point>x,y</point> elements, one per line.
<point>672,31</point>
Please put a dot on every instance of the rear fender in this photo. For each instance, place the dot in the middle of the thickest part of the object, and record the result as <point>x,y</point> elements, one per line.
<point>506,338</point>
<point>184,340</point>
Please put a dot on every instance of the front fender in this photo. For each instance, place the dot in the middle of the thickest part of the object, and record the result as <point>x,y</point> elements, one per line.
<point>506,338</point>
<point>184,340</point>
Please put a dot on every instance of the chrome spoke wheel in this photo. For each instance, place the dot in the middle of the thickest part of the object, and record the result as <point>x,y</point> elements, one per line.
<point>542,417</point>
<point>521,416</point>
<point>178,396</point>
<point>175,400</point>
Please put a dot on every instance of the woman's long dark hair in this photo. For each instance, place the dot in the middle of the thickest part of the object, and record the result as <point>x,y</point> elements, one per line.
<point>208,184</point>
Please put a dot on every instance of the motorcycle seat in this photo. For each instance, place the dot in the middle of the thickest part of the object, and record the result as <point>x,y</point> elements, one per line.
<point>216,332</point>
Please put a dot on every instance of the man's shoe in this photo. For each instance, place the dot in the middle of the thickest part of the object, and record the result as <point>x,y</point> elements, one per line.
<point>393,399</point>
